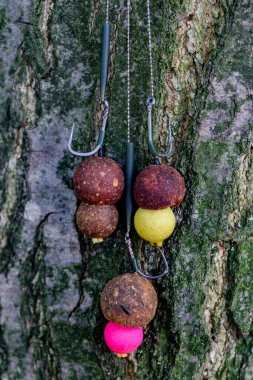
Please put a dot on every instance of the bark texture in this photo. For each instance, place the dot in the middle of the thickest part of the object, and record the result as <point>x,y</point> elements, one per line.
<point>51,277</point>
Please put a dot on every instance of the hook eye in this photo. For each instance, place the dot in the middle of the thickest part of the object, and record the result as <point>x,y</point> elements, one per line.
<point>150,101</point>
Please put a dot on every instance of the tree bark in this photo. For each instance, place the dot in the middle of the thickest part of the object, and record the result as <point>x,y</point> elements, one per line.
<point>51,326</point>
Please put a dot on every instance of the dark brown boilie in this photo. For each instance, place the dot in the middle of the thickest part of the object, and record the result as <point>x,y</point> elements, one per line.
<point>159,186</point>
<point>129,300</point>
<point>99,181</point>
<point>97,221</point>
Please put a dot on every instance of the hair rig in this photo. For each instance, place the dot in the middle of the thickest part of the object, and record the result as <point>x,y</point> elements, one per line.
<point>98,181</point>
<point>158,187</point>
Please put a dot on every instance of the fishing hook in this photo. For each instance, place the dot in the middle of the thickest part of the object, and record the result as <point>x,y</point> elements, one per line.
<point>150,102</point>
<point>100,137</point>
<point>135,264</point>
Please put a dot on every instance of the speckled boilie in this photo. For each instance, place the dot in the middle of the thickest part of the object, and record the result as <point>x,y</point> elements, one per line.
<point>159,186</point>
<point>97,221</point>
<point>99,181</point>
<point>129,300</point>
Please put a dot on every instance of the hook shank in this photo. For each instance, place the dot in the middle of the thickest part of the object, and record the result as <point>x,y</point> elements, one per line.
<point>153,149</point>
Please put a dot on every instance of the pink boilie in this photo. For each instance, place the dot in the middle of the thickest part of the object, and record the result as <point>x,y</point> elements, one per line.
<point>121,339</point>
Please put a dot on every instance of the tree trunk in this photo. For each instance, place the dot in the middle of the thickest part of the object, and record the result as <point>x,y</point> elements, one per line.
<point>51,326</point>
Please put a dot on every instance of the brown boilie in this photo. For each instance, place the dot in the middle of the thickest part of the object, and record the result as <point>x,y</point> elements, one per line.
<point>159,186</point>
<point>97,221</point>
<point>99,181</point>
<point>129,300</point>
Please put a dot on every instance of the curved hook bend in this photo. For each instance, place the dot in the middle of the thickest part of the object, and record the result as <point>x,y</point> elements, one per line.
<point>100,137</point>
<point>135,264</point>
<point>154,151</point>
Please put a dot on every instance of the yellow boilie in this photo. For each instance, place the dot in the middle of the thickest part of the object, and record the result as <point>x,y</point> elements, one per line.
<point>154,225</point>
